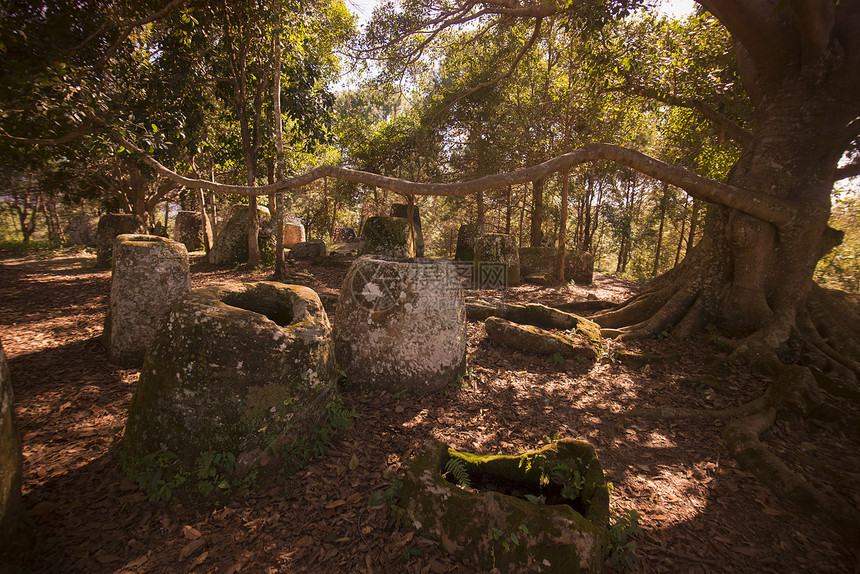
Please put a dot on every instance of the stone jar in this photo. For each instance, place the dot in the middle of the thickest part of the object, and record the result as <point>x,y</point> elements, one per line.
<point>246,369</point>
<point>497,261</point>
<point>110,225</point>
<point>490,521</point>
<point>401,324</point>
<point>150,273</point>
<point>386,237</point>
<point>11,506</point>
<point>188,230</point>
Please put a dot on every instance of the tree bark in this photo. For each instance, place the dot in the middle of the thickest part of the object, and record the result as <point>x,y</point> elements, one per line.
<point>537,212</point>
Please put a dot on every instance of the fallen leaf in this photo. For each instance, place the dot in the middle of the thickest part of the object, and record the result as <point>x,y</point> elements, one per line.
<point>191,548</point>
<point>199,560</point>
<point>305,541</point>
<point>190,532</point>
<point>353,462</point>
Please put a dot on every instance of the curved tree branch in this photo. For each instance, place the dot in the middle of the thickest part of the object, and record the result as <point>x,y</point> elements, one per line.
<point>729,127</point>
<point>765,207</point>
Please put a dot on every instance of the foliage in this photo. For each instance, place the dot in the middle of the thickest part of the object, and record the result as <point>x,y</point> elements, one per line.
<point>622,529</point>
<point>456,467</point>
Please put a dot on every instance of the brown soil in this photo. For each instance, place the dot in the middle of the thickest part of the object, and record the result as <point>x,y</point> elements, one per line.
<point>700,513</point>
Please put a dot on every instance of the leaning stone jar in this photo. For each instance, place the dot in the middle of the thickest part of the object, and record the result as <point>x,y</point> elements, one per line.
<point>401,324</point>
<point>246,369</point>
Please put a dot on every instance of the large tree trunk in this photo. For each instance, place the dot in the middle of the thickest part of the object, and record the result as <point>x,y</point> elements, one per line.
<point>745,275</point>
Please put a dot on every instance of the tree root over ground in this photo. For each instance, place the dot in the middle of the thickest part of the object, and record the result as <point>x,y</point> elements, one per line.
<point>815,379</point>
<point>794,391</point>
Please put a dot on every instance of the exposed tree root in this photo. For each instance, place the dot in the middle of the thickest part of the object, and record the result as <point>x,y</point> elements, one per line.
<point>794,389</point>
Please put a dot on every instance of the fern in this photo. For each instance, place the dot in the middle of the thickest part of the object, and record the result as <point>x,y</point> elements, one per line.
<point>457,468</point>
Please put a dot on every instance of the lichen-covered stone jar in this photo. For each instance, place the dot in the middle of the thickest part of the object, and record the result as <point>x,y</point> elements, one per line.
<point>401,324</point>
<point>246,369</point>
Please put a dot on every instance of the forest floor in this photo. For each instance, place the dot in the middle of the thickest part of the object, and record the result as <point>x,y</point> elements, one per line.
<point>699,511</point>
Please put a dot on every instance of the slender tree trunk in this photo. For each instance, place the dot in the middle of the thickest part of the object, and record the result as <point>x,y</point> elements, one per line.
<point>562,228</point>
<point>205,222</point>
<point>694,220</point>
<point>537,212</point>
<point>663,201</point>
<point>480,216</point>
<point>681,235</point>
<point>280,171</point>
<point>508,208</point>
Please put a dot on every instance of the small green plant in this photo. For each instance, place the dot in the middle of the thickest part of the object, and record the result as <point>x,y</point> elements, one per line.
<point>622,529</point>
<point>399,394</point>
<point>214,470</point>
<point>159,474</point>
<point>457,469</point>
<point>539,500</point>
<point>410,553</point>
<point>509,539</point>
<point>388,496</point>
<point>556,359</point>
<point>465,380</point>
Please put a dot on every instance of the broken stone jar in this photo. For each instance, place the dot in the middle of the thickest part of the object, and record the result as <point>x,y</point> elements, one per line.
<point>541,511</point>
<point>401,324</point>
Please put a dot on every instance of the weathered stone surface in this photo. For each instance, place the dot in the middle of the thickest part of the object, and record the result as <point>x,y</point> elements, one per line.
<point>308,249</point>
<point>467,237</point>
<point>541,261</point>
<point>10,457</point>
<point>536,340</point>
<point>231,244</point>
<point>188,230</point>
<point>111,225</point>
<point>246,369</point>
<point>497,531</point>
<point>83,230</point>
<point>401,324</point>
<point>344,235</point>
<point>150,273</point>
<point>294,233</point>
<point>402,210</point>
<point>497,261</point>
<point>386,237</point>
<point>534,314</point>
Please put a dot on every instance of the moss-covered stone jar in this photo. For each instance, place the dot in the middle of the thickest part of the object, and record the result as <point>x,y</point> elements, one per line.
<point>401,324</point>
<point>246,369</point>
<point>541,511</point>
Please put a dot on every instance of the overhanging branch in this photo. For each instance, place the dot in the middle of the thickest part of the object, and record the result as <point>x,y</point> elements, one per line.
<point>765,207</point>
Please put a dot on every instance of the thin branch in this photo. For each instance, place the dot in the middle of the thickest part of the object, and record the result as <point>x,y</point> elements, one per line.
<point>765,207</point>
<point>520,55</point>
<point>59,140</point>
<point>729,127</point>
<point>127,27</point>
